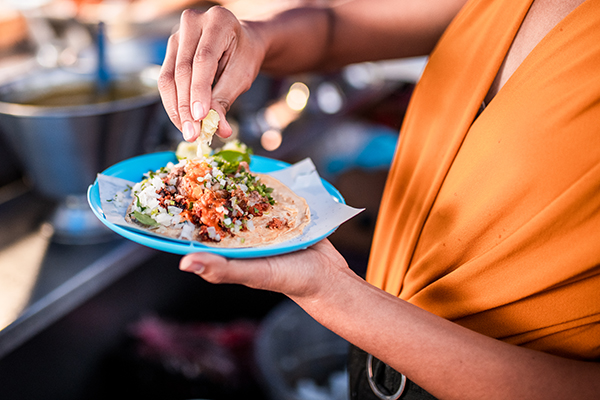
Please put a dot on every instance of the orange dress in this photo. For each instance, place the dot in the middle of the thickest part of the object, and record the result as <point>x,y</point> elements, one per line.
<point>495,224</point>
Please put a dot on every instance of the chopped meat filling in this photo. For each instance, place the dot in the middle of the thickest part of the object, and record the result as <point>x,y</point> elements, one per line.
<point>277,223</point>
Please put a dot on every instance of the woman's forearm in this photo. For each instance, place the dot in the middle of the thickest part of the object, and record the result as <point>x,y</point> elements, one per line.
<point>446,359</point>
<point>319,38</point>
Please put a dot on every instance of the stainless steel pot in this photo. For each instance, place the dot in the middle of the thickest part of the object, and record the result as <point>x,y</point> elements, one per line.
<point>63,147</point>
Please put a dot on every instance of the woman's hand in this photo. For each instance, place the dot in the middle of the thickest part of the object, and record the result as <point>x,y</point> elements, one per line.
<point>210,61</point>
<point>214,57</point>
<point>306,274</point>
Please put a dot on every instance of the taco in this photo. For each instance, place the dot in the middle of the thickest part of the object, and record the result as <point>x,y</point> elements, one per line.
<point>216,200</point>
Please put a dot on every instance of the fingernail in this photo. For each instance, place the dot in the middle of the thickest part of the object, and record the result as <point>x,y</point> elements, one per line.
<point>188,130</point>
<point>191,266</point>
<point>197,110</point>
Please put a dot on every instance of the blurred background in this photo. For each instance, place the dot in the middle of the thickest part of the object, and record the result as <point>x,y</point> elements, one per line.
<point>86,314</point>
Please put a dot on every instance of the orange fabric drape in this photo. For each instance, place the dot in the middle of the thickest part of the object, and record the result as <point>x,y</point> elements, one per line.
<point>495,224</point>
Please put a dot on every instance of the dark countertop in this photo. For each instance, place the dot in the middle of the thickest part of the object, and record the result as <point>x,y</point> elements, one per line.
<point>41,280</point>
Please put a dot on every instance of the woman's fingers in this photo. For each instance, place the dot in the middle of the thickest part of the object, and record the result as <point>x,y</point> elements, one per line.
<point>303,273</point>
<point>166,81</point>
<point>215,46</point>
<point>254,273</point>
<point>198,56</point>
<point>190,34</point>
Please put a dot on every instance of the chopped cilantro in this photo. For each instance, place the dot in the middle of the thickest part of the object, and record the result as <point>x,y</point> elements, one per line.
<point>138,202</point>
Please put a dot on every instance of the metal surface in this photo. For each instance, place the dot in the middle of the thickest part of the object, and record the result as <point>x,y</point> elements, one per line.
<point>41,281</point>
<point>72,222</point>
<point>91,277</point>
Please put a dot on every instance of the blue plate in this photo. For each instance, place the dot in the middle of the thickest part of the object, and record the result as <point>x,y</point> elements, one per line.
<point>133,169</point>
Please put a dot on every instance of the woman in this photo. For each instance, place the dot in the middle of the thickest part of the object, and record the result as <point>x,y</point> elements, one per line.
<point>484,275</point>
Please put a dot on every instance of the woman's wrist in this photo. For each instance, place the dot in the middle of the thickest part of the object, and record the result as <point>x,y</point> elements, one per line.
<point>258,34</point>
<point>328,289</point>
<point>294,40</point>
